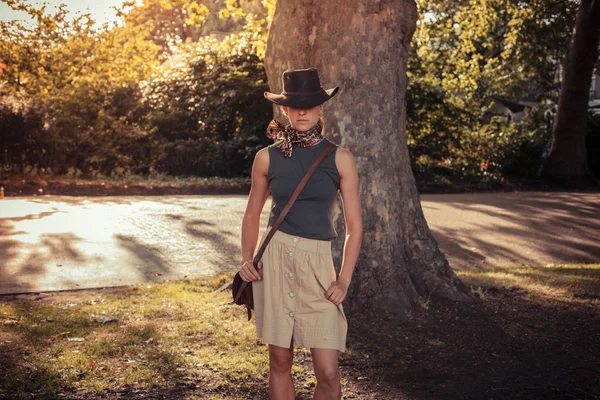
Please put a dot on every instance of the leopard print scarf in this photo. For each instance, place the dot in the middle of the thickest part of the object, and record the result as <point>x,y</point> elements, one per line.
<point>292,137</point>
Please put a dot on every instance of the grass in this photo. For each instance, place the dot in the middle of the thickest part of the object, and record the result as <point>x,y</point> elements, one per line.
<point>185,336</point>
<point>158,335</point>
<point>575,283</point>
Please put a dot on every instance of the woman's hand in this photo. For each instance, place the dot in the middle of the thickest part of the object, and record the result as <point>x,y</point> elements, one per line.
<point>248,273</point>
<point>336,292</point>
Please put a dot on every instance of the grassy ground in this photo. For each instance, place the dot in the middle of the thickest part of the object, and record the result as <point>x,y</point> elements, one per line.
<point>534,335</point>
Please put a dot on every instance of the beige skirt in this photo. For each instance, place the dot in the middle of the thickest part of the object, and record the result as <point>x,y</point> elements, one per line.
<point>289,301</point>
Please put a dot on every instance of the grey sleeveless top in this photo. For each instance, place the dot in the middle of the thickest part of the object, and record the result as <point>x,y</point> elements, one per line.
<point>311,216</point>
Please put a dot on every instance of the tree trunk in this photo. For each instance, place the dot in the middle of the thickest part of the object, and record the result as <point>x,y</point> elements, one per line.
<point>567,161</point>
<point>362,46</point>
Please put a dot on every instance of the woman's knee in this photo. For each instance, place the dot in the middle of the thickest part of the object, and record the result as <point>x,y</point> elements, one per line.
<point>328,375</point>
<point>280,359</point>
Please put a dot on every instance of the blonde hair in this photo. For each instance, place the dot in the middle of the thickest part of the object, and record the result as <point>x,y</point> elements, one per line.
<point>322,121</point>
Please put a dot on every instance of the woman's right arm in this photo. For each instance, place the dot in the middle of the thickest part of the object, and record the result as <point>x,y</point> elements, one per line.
<point>259,192</point>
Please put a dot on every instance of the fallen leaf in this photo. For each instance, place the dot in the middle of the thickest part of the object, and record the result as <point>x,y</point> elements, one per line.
<point>59,335</point>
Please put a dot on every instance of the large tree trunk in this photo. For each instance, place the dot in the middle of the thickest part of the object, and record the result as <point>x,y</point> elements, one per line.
<point>362,45</point>
<point>567,161</point>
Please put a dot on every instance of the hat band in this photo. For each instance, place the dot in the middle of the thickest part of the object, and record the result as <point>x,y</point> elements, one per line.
<point>302,93</point>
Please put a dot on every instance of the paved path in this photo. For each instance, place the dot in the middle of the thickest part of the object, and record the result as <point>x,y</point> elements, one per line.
<point>57,243</point>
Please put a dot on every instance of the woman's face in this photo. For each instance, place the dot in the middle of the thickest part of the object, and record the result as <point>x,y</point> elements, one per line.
<point>302,119</point>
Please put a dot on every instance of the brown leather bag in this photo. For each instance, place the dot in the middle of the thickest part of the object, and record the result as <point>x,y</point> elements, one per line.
<point>241,290</point>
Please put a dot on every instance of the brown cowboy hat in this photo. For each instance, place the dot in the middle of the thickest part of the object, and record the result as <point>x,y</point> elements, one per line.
<point>301,89</point>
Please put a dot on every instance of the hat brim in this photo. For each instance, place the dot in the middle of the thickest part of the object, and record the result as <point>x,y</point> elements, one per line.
<point>302,100</point>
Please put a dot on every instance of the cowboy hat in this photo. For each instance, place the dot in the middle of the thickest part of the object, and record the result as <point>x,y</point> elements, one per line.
<point>301,89</point>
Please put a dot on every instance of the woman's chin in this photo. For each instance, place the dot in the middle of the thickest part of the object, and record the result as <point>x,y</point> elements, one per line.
<point>302,127</point>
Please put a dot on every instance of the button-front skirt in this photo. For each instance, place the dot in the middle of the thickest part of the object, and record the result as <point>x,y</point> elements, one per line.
<point>289,301</point>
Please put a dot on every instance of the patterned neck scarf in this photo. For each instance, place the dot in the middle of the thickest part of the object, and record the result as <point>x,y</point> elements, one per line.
<point>292,137</point>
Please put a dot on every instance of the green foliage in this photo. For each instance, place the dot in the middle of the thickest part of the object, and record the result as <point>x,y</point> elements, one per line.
<point>106,136</point>
<point>464,52</point>
<point>168,22</point>
<point>210,111</point>
<point>58,56</point>
<point>23,138</point>
<point>106,102</point>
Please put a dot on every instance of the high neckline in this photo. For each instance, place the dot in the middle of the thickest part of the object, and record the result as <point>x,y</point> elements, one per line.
<point>314,145</point>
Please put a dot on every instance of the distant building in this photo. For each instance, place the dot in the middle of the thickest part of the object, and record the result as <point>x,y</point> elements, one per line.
<point>514,110</point>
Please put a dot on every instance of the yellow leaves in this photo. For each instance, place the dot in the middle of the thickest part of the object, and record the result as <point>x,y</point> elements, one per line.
<point>465,47</point>
<point>165,4</point>
<point>197,13</point>
<point>224,13</point>
<point>232,10</point>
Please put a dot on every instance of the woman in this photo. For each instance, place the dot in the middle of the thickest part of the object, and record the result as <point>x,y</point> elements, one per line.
<point>297,298</point>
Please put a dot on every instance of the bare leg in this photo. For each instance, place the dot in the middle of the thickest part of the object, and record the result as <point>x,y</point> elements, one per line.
<point>281,386</point>
<point>328,374</point>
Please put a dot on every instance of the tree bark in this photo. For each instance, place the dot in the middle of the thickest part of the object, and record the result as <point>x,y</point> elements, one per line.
<point>362,46</point>
<point>567,161</point>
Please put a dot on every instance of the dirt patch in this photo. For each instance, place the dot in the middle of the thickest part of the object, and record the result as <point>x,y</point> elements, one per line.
<point>513,345</point>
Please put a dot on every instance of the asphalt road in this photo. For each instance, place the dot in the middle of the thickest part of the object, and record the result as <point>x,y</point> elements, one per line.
<point>58,243</point>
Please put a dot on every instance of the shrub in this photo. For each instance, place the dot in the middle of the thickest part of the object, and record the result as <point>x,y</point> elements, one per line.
<point>208,112</point>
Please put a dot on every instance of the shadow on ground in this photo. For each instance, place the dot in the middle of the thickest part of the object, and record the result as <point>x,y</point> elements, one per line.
<point>517,228</point>
<point>514,345</point>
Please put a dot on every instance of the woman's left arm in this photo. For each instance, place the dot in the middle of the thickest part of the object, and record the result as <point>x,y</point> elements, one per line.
<point>346,165</point>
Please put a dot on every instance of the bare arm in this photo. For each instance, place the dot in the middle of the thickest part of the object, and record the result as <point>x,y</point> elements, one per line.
<point>259,192</point>
<point>346,165</point>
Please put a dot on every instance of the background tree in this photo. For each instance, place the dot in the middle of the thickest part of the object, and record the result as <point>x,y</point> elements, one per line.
<point>567,161</point>
<point>363,46</point>
<point>174,22</point>
<point>71,73</point>
<point>465,52</point>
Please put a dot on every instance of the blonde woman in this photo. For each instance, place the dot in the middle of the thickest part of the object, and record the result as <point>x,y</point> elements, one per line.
<point>297,296</point>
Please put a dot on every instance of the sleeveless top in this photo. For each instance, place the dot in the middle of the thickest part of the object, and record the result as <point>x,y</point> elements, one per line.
<point>311,216</point>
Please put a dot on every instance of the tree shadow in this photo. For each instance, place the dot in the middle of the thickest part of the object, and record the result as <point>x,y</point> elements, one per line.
<point>33,377</point>
<point>512,346</point>
<point>25,275</point>
<point>523,228</point>
<point>19,379</point>
<point>150,262</point>
<point>226,252</point>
